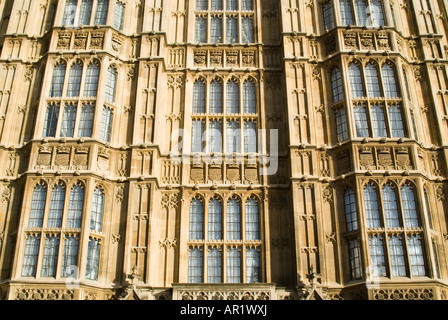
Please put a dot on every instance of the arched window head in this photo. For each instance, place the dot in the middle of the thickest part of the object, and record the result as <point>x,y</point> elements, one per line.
<point>199,96</point>
<point>102,6</point>
<point>409,205</point>
<point>389,81</point>
<point>119,15</point>
<point>96,216</point>
<point>38,205</point>
<point>74,80</point>
<point>111,84</point>
<point>216,96</point>
<point>56,206</point>
<point>75,206</point>
<point>215,219</point>
<point>372,208</point>
<point>356,83</point>
<point>91,82</point>
<point>233,97</point>
<point>390,207</point>
<point>57,82</point>
<point>249,97</point>
<point>372,81</point>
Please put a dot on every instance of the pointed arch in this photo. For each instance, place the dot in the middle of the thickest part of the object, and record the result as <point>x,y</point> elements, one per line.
<point>196,225</point>
<point>38,203</point>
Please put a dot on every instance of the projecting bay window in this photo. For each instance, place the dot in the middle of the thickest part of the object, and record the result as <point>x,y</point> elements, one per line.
<point>396,250</point>
<point>224,220</point>
<point>227,21</point>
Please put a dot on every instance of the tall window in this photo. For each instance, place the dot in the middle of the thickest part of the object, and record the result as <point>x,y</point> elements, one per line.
<point>215,97</point>
<point>249,97</point>
<point>101,12</point>
<point>377,258</point>
<point>390,207</point>
<point>355,260</point>
<point>69,12</point>
<point>68,120</point>
<point>216,5</point>
<point>214,263</point>
<point>372,209</point>
<point>86,120</point>
<point>91,82</point>
<point>356,81</point>
<point>57,82</point>
<point>397,260</point>
<point>372,81</point>
<point>416,255</point>
<point>233,97</point>
<point>233,220</point>
<point>378,121</point>
<point>70,255</point>
<point>96,216</point>
<point>106,124</point>
<point>195,265</point>
<point>233,137</point>
<point>250,137</point>
<point>119,16</point>
<point>350,210</point>
<point>29,265</point>
<point>216,30</point>
<point>197,142</point>
<point>389,82</point>
<point>252,265</point>
<point>215,136</point>
<point>85,12</point>
<point>247,5</point>
<point>75,206</point>
<point>199,96</point>
<point>111,85</point>
<point>196,220</point>
<point>74,80</point>
<point>201,5</point>
<point>232,30</point>
<point>51,120</point>
<point>396,121</point>
<point>346,12</point>
<point>201,30</point>
<point>361,122</point>
<point>38,206</point>
<point>50,258</point>
<point>336,85</point>
<point>215,220</point>
<point>56,206</point>
<point>341,125</point>
<point>376,13</point>
<point>327,12</point>
<point>409,207</point>
<point>233,265</point>
<point>232,5</point>
<point>361,12</point>
<point>93,255</point>
<point>252,220</point>
<point>248,30</point>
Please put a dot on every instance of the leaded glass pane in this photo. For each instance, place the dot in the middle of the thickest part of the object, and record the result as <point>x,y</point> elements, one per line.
<point>216,30</point>
<point>232,30</point>
<point>91,82</point>
<point>409,207</point>
<point>416,256</point>
<point>361,12</point>
<point>69,12</point>
<point>57,82</point>
<point>252,220</point>
<point>356,81</point>
<point>233,97</point>
<point>336,84</point>
<point>51,120</point>
<point>215,137</point>
<point>389,81</point>
<point>56,206</point>
<point>378,121</point>
<point>74,80</point>
<point>68,121</point>
<point>361,122</point>
<point>119,16</point>
<point>372,209</point>
<point>201,30</point>
<point>106,125</point>
<point>233,220</point>
<point>75,207</point>
<point>96,216</point>
<point>249,97</point>
<point>350,210</point>
<point>86,120</point>
<point>29,265</point>
<point>233,265</point>
<point>93,255</point>
<point>396,121</point>
<point>214,220</point>
<point>377,259</point>
<point>250,137</point>
<point>199,97</point>
<point>327,11</point>
<point>232,5</point>
<point>341,125</point>
<point>355,260</point>
<point>197,142</point>
<point>101,12</point>
<point>376,13</point>
<point>85,12</point>
<point>390,207</point>
<point>216,97</point>
<point>196,220</point>
<point>397,261</point>
<point>195,265</point>
<point>50,258</point>
<point>214,265</point>
<point>216,4</point>
<point>252,265</point>
<point>201,5</point>
<point>38,206</point>
<point>247,5</point>
<point>233,137</point>
<point>70,256</point>
<point>372,80</point>
<point>111,85</point>
<point>346,12</point>
<point>248,30</point>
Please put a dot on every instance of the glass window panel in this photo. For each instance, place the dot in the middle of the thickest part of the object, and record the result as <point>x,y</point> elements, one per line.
<point>69,12</point>
<point>111,85</point>
<point>75,207</point>
<point>249,97</point>
<point>70,256</point>
<point>252,265</point>
<point>390,207</point>
<point>199,97</point>
<point>247,5</point>
<point>409,207</point>
<point>86,120</point>
<point>336,84</point>
<point>197,141</point>
<point>372,80</point>
<point>57,82</point>
<point>30,256</point>
<point>214,220</point>
<point>376,13</point>
<point>428,208</point>
<point>361,12</point>
<point>195,265</point>
<point>93,255</point>
<point>416,256</point>
<point>68,121</point>
<point>233,97</point>
<point>389,81</point>
<point>233,265</point>
<point>350,210</point>
<point>361,122</point>
<point>356,81</point>
<point>233,137</point>
<point>233,220</point>
<point>248,30</point>
<point>327,11</point>
<point>215,137</point>
<point>372,209</point>
<point>51,120</point>
<point>216,97</point>
<point>250,137</point>
<point>378,121</point>
<point>56,206</point>
<point>201,30</point>
<point>101,12</point>
<point>196,220</point>
<point>85,12</point>
<point>346,12</point>
<point>377,259</point>
<point>74,80</point>
<point>119,16</point>
<point>232,30</point>
<point>50,258</point>
<point>341,125</point>
<point>91,82</point>
<point>252,220</point>
<point>106,125</point>
<point>216,4</point>
<point>216,30</point>
<point>397,261</point>
<point>201,5</point>
<point>96,216</point>
<point>214,265</point>
<point>38,206</point>
<point>396,121</point>
<point>355,260</point>
<point>232,5</point>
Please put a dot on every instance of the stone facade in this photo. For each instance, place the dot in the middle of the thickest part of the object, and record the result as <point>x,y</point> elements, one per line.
<point>307,248</point>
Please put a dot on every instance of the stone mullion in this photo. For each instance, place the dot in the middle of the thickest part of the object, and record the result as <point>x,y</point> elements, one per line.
<point>127,245</point>
<point>265,234</point>
<point>387,13</point>
<point>183,240</point>
<point>439,127</point>
<point>404,242</point>
<point>111,13</point>
<point>104,65</point>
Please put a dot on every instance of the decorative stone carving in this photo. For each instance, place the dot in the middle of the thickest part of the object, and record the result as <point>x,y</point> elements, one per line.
<point>350,40</point>
<point>232,57</point>
<point>367,40</point>
<point>366,158</point>
<point>44,157</point>
<point>116,43</point>
<point>62,159</point>
<point>385,161</point>
<point>251,174</point>
<point>80,41</point>
<point>43,294</point>
<point>64,41</point>
<point>215,173</point>
<point>248,58</point>
<point>200,57</point>
<point>197,174</point>
<point>383,41</point>
<point>403,294</point>
<point>96,40</point>
<point>233,173</point>
<point>403,159</point>
<point>80,159</point>
<point>327,194</point>
<point>170,200</point>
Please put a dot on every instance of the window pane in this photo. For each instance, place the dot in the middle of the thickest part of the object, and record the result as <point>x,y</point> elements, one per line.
<point>86,120</point>
<point>68,121</point>
<point>376,13</point>
<point>346,12</point>
<point>416,256</point>
<point>390,207</point>
<point>57,82</point>
<point>119,16</point>
<point>341,125</point>
<point>30,256</point>
<point>232,30</point>
<point>199,97</point>
<point>356,81</point>
<point>233,265</point>
<point>51,120</point>
<point>96,216</point>
<point>195,265</point>
<point>233,97</point>
<point>201,30</point>
<point>215,137</point>
<point>106,125</point>
<point>85,12</point>
<point>214,220</point>
<point>252,220</point>
<point>247,5</point>
<point>371,203</point>
<point>396,121</point>
<point>232,5</point>
<point>91,82</point>
<point>233,137</point>
<point>355,260</point>
<point>250,137</point>
<point>216,4</point>
<point>50,258</point>
<point>111,85</point>
<point>327,11</point>
<point>101,12</point>
<point>215,97</point>
<point>197,143</point>
<point>56,206</point>
<point>373,83</point>
<point>75,207</point>
<point>361,12</point>
<point>252,265</point>
<point>196,220</point>
<point>248,30</point>
<point>390,85</point>
<point>201,5</point>
<point>69,12</point>
<point>233,220</point>
<point>361,122</point>
<point>38,206</point>
<point>216,30</point>
<point>378,121</point>
<point>377,259</point>
<point>350,210</point>
<point>397,256</point>
<point>409,207</point>
<point>74,81</point>
<point>70,258</point>
<point>214,262</point>
<point>93,255</point>
<point>249,97</point>
<point>336,84</point>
